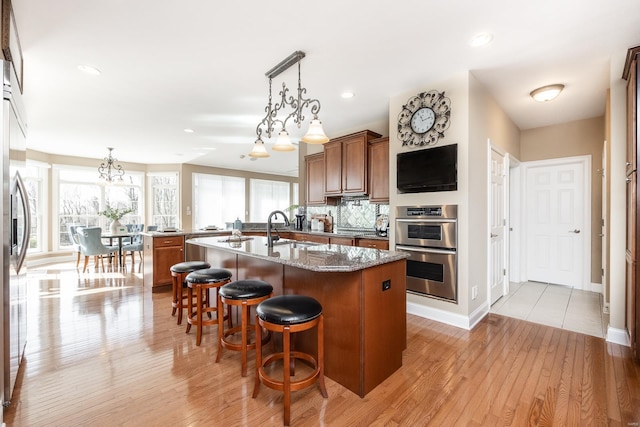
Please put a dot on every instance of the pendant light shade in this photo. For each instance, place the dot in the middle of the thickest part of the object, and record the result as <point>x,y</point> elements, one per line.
<point>259,149</point>
<point>283,142</point>
<point>315,134</point>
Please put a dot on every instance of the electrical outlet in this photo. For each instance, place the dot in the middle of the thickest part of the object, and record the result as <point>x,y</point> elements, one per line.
<point>474,292</point>
<point>386,285</point>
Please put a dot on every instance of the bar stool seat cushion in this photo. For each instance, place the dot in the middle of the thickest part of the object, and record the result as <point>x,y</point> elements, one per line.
<point>209,275</point>
<point>289,309</point>
<point>245,289</point>
<point>189,266</point>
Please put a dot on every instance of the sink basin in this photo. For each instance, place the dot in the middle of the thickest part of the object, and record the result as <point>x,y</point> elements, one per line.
<point>294,243</point>
<point>235,239</point>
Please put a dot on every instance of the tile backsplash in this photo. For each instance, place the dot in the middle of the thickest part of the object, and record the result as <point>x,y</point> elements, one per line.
<point>351,213</point>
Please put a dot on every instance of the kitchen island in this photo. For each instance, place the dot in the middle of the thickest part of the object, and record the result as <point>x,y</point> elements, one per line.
<point>362,292</point>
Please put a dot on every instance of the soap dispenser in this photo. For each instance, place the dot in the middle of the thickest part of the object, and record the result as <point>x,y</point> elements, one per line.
<point>237,225</point>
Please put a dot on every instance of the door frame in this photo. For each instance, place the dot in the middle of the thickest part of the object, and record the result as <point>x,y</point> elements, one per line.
<point>585,162</point>
<point>514,220</point>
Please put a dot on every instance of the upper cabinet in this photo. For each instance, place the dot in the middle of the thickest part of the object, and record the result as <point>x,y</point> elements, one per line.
<point>315,179</point>
<point>346,164</point>
<point>379,170</point>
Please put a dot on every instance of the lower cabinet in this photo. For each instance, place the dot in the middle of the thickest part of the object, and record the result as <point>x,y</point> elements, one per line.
<point>346,241</point>
<point>374,243</point>
<point>160,253</point>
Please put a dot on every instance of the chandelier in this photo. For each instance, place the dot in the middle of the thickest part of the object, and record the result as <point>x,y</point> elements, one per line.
<point>315,134</point>
<point>109,171</point>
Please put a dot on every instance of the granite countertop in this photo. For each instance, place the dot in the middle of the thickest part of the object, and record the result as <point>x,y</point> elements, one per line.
<point>220,232</point>
<point>306,255</point>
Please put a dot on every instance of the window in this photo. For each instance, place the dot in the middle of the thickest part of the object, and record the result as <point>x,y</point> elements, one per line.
<point>163,189</point>
<point>35,180</point>
<point>266,197</point>
<point>81,198</point>
<point>217,200</point>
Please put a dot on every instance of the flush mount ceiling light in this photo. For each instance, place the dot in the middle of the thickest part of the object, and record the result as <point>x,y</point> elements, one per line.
<point>109,171</point>
<point>547,93</point>
<point>88,69</point>
<point>347,95</point>
<point>315,134</point>
<point>480,39</point>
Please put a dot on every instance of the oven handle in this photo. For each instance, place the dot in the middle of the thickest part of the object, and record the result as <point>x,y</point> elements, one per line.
<point>426,250</point>
<point>426,220</point>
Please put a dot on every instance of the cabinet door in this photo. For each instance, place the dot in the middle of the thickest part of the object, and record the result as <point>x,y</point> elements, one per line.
<point>164,258</point>
<point>379,170</point>
<point>632,100</point>
<point>315,179</point>
<point>333,168</point>
<point>354,165</point>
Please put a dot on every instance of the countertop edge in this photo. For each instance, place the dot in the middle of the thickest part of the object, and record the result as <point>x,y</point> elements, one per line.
<point>392,256</point>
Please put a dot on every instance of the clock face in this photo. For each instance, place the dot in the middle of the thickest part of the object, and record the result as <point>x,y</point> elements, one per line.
<point>423,120</point>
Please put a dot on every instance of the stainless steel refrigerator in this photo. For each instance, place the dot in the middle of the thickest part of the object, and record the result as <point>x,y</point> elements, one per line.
<point>15,231</point>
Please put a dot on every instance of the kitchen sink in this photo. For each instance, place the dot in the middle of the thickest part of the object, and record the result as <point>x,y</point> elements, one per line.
<point>295,243</point>
<point>235,239</point>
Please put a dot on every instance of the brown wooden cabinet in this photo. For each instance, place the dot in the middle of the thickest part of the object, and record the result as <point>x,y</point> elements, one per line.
<point>374,243</point>
<point>346,164</point>
<point>160,253</point>
<point>315,238</point>
<point>315,181</point>
<point>379,170</point>
<point>632,75</point>
<point>346,241</point>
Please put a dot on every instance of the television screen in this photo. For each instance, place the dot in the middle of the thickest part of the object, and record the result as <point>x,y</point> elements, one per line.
<point>428,170</point>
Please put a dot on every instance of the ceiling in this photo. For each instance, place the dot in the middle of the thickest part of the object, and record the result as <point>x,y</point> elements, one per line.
<point>202,66</point>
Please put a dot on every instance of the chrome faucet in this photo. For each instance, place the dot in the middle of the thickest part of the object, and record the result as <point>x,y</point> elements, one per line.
<point>270,238</point>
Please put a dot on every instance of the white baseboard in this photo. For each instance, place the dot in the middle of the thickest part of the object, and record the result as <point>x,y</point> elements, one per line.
<point>442,316</point>
<point>618,336</point>
<point>52,259</point>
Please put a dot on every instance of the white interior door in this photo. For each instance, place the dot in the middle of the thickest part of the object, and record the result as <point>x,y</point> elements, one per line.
<point>556,227</point>
<point>497,217</point>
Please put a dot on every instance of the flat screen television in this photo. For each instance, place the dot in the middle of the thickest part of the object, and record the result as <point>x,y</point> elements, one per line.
<point>428,170</point>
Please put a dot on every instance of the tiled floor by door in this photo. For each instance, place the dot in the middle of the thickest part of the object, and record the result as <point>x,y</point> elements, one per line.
<point>554,305</point>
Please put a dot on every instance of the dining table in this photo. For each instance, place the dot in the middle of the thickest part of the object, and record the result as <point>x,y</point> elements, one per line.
<point>120,236</point>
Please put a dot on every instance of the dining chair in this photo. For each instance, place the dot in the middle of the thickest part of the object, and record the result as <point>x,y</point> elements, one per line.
<point>90,240</point>
<point>135,244</point>
<point>71,230</point>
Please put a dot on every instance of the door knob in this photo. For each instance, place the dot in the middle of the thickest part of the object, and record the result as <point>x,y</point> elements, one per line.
<point>577,230</point>
<point>493,235</point>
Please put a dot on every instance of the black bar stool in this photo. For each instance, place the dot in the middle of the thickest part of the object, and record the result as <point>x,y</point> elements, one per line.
<point>202,281</point>
<point>289,314</point>
<point>179,273</point>
<point>244,294</point>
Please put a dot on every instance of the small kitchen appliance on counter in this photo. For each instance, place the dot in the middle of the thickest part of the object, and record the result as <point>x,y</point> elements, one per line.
<point>300,218</point>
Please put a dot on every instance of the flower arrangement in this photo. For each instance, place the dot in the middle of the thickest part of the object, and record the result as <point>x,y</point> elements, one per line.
<point>115,214</point>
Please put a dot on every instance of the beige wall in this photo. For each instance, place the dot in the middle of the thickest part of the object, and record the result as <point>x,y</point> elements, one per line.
<point>579,138</point>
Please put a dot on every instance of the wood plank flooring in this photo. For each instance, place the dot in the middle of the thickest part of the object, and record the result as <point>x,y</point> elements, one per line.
<point>102,351</point>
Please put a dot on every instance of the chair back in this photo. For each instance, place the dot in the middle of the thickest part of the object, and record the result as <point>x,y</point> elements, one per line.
<point>152,228</point>
<point>135,228</point>
<point>73,238</point>
<point>90,239</point>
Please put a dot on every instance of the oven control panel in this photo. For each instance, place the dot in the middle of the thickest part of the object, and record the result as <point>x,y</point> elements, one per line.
<point>443,211</point>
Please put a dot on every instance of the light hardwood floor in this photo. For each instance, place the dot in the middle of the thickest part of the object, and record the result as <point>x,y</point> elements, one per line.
<point>102,351</point>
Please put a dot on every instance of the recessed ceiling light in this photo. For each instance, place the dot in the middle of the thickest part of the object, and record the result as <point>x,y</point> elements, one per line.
<point>89,70</point>
<point>347,94</point>
<point>480,39</point>
<point>187,130</point>
<point>547,93</point>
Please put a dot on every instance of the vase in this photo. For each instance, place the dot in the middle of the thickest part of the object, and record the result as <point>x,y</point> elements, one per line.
<point>114,226</point>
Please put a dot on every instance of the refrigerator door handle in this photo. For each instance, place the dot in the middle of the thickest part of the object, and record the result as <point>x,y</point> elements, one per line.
<point>21,195</point>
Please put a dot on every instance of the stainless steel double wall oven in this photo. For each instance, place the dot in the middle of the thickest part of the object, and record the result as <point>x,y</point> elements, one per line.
<point>429,235</point>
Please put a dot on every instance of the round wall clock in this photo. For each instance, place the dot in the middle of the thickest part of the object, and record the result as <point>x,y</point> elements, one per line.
<point>424,118</point>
